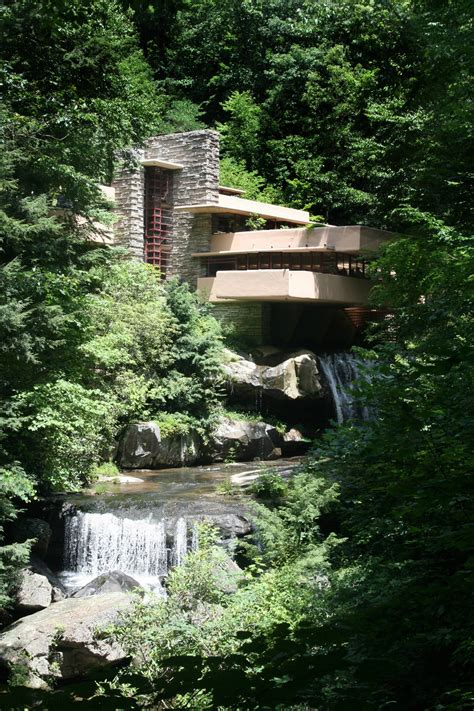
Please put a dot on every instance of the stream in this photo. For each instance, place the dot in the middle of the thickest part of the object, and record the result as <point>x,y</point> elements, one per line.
<point>146,523</point>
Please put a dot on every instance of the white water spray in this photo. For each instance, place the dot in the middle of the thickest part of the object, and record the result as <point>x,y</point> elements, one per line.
<point>97,543</point>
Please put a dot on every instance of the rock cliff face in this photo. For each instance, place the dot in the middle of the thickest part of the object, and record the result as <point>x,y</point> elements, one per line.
<point>285,379</point>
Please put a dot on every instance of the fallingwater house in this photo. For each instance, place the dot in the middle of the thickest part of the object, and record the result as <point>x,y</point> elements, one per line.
<point>284,284</point>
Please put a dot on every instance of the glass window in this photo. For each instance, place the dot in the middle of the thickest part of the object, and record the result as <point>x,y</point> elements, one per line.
<point>253,261</point>
<point>264,260</point>
<point>276,260</point>
<point>306,261</point>
<point>295,261</point>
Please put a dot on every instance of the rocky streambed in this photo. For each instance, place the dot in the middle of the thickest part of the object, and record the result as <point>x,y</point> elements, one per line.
<point>92,550</point>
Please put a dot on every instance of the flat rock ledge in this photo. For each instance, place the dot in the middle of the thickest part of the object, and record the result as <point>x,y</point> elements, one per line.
<point>64,641</point>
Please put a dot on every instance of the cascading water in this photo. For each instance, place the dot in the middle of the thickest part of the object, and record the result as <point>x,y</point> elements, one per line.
<point>180,542</point>
<point>97,543</point>
<point>341,371</point>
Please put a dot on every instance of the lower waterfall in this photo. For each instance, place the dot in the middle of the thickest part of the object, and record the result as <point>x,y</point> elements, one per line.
<point>97,543</point>
<point>341,370</point>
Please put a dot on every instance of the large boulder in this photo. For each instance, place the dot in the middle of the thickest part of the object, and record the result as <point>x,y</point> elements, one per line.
<point>242,440</point>
<point>231,525</point>
<point>182,450</point>
<point>39,566</point>
<point>38,588</point>
<point>35,592</point>
<point>64,641</point>
<point>226,573</point>
<point>297,440</point>
<point>295,376</point>
<point>141,446</point>
<point>115,581</point>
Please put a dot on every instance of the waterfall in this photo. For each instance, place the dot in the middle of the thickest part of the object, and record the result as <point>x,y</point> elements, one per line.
<point>341,371</point>
<point>180,542</point>
<point>97,543</point>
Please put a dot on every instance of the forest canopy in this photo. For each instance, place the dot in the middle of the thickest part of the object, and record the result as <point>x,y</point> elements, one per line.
<point>359,595</point>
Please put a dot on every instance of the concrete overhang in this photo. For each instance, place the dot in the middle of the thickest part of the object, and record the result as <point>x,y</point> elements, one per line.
<point>348,239</point>
<point>158,163</point>
<point>230,191</point>
<point>230,204</point>
<point>277,285</point>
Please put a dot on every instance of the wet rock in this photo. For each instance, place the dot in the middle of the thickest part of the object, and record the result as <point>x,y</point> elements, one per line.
<point>32,528</point>
<point>63,641</point>
<point>294,376</point>
<point>139,445</point>
<point>115,581</point>
<point>241,440</point>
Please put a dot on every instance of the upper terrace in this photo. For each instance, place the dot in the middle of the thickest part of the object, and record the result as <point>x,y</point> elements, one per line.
<point>228,204</point>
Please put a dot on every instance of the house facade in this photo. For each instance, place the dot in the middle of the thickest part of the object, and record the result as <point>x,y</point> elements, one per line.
<point>287,283</point>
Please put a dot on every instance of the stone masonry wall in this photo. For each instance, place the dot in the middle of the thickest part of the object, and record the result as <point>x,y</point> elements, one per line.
<point>197,182</point>
<point>129,187</point>
<point>250,321</point>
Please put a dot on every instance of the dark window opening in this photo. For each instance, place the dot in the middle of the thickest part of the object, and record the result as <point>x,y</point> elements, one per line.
<point>323,262</point>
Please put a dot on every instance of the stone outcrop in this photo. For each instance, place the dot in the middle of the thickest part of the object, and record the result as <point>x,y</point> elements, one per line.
<point>112,582</point>
<point>236,440</point>
<point>241,440</point>
<point>64,641</point>
<point>141,446</point>
<point>294,376</point>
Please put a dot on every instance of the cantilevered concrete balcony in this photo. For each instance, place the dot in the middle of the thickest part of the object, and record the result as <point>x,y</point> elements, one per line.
<point>232,205</point>
<point>351,239</point>
<point>276,285</point>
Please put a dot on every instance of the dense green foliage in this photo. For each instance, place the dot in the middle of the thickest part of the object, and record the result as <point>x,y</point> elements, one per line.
<point>353,109</point>
<point>358,594</point>
<point>88,340</point>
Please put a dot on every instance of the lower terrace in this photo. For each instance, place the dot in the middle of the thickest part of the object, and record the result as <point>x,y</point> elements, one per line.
<point>323,264</point>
